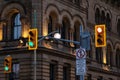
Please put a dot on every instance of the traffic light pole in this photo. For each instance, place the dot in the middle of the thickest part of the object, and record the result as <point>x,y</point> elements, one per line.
<point>35,65</point>
<point>35,49</point>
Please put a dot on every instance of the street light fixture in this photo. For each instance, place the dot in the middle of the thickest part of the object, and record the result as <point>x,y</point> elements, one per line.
<point>57,35</point>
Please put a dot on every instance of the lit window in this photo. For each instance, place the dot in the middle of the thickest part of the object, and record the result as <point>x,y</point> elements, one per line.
<point>16,26</point>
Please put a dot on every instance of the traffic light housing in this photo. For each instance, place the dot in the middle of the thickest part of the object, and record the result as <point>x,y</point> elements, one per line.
<point>100,36</point>
<point>8,64</point>
<point>33,39</point>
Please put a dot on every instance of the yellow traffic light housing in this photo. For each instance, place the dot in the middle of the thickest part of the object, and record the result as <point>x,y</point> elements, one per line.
<point>100,36</point>
<point>8,64</point>
<point>33,39</point>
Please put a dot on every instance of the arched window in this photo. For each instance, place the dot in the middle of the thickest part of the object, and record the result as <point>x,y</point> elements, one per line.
<point>99,54</point>
<point>50,24</point>
<point>118,58</point>
<point>109,56</point>
<point>65,28</point>
<point>76,32</point>
<point>103,17</point>
<point>97,16</point>
<point>118,27</point>
<point>108,22</point>
<point>16,26</point>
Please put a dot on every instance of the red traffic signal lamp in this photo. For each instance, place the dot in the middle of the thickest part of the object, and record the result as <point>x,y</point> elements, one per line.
<point>33,39</point>
<point>100,36</point>
<point>8,64</point>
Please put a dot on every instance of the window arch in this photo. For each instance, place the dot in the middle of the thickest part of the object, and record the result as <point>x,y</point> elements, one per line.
<point>16,26</point>
<point>109,56</point>
<point>97,16</point>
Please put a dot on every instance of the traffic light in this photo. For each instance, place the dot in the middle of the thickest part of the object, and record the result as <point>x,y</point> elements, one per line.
<point>100,36</point>
<point>33,39</point>
<point>8,64</point>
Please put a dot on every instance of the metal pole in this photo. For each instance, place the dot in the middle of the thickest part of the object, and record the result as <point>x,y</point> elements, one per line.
<point>81,30</point>
<point>75,42</point>
<point>81,77</point>
<point>34,64</point>
<point>35,24</point>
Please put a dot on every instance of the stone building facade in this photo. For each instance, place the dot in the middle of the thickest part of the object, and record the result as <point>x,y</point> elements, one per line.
<point>56,59</point>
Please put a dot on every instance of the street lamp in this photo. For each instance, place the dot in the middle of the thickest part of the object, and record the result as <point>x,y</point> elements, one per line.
<point>57,35</point>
